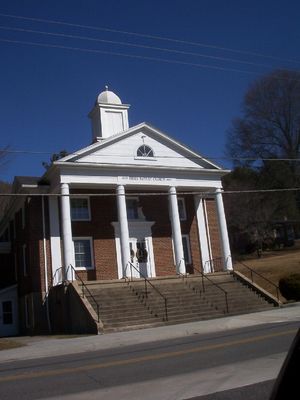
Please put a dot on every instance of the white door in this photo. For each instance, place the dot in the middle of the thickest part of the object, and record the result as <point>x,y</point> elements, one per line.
<point>8,318</point>
<point>139,257</point>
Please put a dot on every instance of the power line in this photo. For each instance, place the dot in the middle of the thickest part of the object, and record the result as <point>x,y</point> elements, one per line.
<point>127,55</point>
<point>148,36</point>
<point>113,194</point>
<point>167,50</point>
<point>139,57</point>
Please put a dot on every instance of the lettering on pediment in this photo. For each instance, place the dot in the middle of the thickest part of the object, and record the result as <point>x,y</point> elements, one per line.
<point>143,179</point>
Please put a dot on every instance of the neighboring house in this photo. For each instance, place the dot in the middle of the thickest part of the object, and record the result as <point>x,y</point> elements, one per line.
<point>135,195</point>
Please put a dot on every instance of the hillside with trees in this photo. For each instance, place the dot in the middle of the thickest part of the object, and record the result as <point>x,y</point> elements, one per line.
<point>265,145</point>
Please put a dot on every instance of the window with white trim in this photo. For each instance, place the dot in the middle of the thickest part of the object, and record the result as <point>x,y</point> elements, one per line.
<point>83,253</point>
<point>186,249</point>
<point>181,208</point>
<point>132,206</point>
<point>80,209</point>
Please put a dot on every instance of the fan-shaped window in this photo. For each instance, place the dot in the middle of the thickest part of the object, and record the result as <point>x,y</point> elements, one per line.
<point>144,151</point>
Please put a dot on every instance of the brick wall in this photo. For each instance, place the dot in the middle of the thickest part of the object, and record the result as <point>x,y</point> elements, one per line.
<point>214,232</point>
<point>103,212</point>
<point>155,208</point>
<point>190,228</point>
<point>31,284</point>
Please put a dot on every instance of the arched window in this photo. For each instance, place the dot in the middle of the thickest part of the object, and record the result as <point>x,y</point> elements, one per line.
<point>144,151</point>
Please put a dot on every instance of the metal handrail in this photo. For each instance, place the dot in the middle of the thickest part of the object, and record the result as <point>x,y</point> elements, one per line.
<point>211,262</point>
<point>83,288</point>
<point>54,276</point>
<point>147,281</point>
<point>213,283</point>
<point>252,271</point>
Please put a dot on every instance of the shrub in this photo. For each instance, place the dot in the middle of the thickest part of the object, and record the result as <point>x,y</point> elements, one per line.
<point>289,286</point>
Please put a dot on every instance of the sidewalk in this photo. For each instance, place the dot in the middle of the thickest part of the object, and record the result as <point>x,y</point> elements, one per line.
<point>47,346</point>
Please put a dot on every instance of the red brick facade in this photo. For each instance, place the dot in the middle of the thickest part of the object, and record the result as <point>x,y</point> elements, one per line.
<point>214,232</point>
<point>156,209</point>
<point>28,230</point>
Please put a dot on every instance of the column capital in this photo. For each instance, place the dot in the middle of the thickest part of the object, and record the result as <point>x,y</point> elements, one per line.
<point>120,189</point>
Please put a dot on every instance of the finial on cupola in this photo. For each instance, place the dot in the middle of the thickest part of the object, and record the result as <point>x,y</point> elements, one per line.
<point>106,87</point>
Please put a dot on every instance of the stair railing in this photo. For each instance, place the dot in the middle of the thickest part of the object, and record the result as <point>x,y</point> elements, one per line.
<point>146,283</point>
<point>213,263</point>
<point>84,289</point>
<point>253,272</point>
<point>58,277</point>
<point>214,284</point>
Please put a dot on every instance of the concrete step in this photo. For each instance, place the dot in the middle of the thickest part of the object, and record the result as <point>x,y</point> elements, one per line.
<point>124,306</point>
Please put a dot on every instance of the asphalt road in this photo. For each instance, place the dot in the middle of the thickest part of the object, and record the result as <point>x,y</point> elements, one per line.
<point>184,368</point>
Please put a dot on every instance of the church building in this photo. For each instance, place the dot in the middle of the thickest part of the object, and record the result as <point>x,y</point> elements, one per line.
<point>134,203</point>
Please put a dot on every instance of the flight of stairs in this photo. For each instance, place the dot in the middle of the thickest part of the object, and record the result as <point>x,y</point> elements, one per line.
<point>120,308</point>
<point>124,305</point>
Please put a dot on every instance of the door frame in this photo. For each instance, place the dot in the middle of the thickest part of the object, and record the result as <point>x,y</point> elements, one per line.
<point>141,266</point>
<point>140,230</point>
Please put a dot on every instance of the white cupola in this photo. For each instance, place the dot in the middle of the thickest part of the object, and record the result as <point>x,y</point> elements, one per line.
<point>109,116</point>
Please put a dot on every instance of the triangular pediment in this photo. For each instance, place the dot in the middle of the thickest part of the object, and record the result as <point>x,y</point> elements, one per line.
<point>122,149</point>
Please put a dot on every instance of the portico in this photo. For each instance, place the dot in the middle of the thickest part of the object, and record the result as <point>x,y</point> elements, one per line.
<point>134,245</point>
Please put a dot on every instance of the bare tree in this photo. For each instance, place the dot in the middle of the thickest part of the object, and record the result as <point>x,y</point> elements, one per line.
<point>269,128</point>
<point>55,157</point>
<point>270,124</point>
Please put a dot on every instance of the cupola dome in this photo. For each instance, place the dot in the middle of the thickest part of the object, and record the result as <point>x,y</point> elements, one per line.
<point>109,115</point>
<point>108,97</point>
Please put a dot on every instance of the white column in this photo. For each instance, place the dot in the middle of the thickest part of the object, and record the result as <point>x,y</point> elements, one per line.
<point>55,240</point>
<point>176,231</point>
<point>223,230</point>
<point>203,233</point>
<point>68,247</point>
<point>124,231</point>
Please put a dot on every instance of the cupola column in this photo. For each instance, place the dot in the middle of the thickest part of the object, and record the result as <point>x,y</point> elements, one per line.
<point>124,231</point>
<point>223,231</point>
<point>176,231</point>
<point>68,248</point>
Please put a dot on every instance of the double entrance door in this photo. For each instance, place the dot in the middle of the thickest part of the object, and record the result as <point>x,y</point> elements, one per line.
<point>140,258</point>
